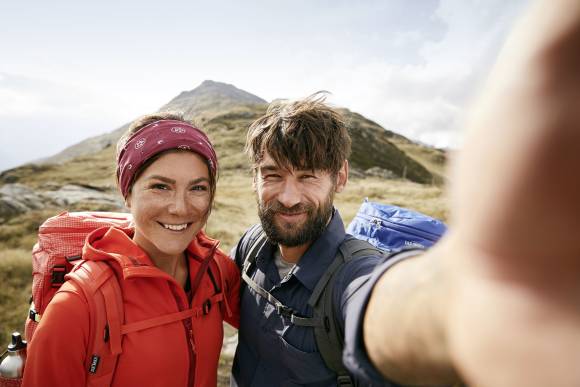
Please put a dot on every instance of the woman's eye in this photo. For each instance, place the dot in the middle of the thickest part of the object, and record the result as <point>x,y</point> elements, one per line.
<point>199,188</point>
<point>159,186</point>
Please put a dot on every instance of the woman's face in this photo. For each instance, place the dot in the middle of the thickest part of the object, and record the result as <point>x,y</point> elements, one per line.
<point>169,202</point>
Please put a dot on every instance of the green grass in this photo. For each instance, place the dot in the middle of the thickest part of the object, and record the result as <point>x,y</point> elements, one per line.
<point>15,277</point>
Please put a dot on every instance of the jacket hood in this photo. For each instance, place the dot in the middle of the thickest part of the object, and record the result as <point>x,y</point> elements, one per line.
<point>116,245</point>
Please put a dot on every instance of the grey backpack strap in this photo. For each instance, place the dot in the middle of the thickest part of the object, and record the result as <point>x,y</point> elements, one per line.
<point>281,309</point>
<point>253,251</point>
<point>329,337</point>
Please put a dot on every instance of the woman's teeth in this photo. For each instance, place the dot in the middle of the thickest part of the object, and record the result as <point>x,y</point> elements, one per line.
<point>175,227</point>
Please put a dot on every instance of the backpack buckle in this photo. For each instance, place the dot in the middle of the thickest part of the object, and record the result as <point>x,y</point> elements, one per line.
<point>284,311</point>
<point>33,314</point>
<point>344,380</point>
<point>57,275</point>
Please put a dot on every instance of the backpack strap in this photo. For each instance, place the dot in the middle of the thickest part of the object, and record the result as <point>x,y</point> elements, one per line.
<point>281,309</point>
<point>329,337</point>
<point>253,250</point>
<point>103,294</point>
<point>98,282</point>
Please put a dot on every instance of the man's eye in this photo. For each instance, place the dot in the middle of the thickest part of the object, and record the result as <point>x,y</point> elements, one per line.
<point>199,188</point>
<point>271,176</point>
<point>307,177</point>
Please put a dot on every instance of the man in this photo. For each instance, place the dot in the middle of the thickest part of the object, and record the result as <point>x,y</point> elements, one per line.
<point>498,300</point>
<point>299,153</point>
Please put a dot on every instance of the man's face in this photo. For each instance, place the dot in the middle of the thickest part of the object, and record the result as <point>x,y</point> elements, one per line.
<point>295,205</point>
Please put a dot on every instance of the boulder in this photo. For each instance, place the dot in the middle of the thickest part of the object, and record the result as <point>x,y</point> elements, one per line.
<point>17,198</point>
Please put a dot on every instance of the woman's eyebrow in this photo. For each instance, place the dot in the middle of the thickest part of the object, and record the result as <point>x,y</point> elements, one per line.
<point>171,181</point>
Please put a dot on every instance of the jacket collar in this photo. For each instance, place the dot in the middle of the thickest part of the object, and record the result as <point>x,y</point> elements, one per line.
<point>116,244</point>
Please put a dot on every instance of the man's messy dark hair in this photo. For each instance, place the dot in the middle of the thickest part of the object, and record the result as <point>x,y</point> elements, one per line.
<point>306,134</point>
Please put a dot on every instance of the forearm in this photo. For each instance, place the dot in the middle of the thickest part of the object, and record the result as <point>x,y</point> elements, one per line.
<point>404,325</point>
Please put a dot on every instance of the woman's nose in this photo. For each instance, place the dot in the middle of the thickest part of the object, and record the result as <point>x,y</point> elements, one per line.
<point>179,204</point>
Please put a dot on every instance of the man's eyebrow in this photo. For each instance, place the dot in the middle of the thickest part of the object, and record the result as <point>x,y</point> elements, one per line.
<point>269,167</point>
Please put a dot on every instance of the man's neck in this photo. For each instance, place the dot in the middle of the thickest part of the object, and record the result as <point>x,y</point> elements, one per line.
<point>293,254</point>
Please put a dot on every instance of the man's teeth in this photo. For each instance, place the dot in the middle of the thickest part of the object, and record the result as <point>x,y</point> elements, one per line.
<point>175,227</point>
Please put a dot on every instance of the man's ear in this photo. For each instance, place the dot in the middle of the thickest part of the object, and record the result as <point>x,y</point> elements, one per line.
<point>254,180</point>
<point>342,177</point>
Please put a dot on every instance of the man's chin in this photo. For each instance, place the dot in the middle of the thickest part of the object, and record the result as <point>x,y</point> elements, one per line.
<point>287,233</point>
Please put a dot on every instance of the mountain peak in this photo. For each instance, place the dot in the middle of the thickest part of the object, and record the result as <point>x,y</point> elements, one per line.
<point>215,92</point>
<point>209,82</point>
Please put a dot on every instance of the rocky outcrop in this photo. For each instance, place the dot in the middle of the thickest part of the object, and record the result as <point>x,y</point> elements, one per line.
<point>16,198</point>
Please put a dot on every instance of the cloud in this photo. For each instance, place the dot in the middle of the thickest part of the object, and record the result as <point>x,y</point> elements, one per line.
<point>39,117</point>
<point>426,100</point>
<point>410,66</point>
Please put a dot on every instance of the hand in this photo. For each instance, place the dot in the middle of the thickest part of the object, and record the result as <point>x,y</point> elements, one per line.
<point>514,249</point>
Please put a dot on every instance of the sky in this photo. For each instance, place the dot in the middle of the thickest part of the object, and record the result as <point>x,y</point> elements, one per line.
<point>70,70</point>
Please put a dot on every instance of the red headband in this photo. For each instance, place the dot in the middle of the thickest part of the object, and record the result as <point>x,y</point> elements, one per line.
<point>157,137</point>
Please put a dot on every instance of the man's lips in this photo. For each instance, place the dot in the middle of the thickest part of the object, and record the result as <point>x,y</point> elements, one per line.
<point>290,216</point>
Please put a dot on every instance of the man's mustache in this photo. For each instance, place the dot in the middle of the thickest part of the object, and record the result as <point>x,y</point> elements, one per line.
<point>277,207</point>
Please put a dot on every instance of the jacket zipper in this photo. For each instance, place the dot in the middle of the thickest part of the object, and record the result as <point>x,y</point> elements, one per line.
<point>188,325</point>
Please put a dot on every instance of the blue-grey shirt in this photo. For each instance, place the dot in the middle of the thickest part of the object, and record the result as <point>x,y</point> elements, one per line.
<point>273,352</point>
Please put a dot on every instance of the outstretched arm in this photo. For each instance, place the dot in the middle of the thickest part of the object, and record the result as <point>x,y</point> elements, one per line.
<point>498,301</point>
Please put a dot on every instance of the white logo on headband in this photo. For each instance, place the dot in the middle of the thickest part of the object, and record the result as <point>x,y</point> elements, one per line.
<point>160,142</point>
<point>184,147</point>
<point>140,143</point>
<point>177,129</point>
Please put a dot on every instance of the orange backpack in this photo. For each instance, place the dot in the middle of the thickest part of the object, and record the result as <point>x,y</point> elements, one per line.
<point>57,261</point>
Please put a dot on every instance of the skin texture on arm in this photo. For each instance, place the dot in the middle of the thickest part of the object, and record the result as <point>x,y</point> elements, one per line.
<point>502,305</point>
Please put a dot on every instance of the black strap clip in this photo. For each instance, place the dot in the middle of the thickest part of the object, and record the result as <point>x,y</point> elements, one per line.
<point>284,311</point>
<point>57,275</point>
<point>344,380</point>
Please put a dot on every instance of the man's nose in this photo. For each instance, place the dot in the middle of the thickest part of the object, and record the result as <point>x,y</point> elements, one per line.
<point>290,195</point>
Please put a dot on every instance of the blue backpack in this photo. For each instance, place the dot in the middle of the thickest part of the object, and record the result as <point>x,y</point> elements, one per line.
<point>392,228</point>
<point>377,229</point>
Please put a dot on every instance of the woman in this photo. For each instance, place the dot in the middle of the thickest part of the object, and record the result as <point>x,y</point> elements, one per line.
<point>167,172</point>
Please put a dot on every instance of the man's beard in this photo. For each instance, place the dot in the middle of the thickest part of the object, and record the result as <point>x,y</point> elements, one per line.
<point>292,235</point>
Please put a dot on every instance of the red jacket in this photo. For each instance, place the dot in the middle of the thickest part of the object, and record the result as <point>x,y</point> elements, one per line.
<point>159,356</point>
